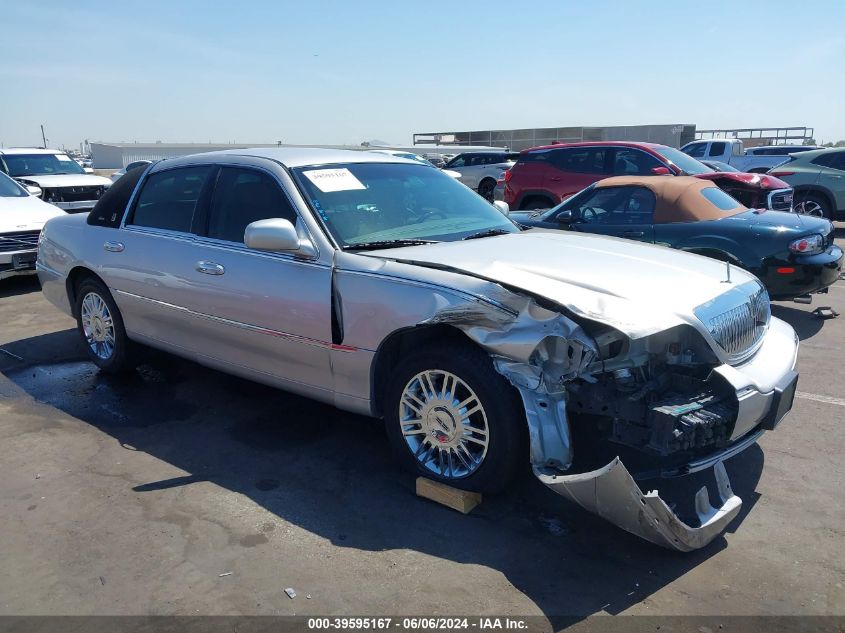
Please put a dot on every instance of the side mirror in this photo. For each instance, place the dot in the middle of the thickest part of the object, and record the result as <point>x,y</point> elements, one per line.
<point>661,171</point>
<point>34,191</point>
<point>502,206</point>
<point>566,216</point>
<point>274,234</point>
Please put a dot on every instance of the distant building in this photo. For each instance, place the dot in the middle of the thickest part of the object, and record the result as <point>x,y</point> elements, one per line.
<point>673,134</point>
<point>118,155</point>
<point>757,136</point>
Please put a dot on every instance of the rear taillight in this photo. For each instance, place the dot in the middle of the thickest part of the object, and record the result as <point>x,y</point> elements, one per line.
<point>507,175</point>
<point>810,245</point>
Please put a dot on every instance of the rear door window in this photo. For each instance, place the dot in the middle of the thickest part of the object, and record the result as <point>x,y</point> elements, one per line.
<point>169,199</point>
<point>243,196</point>
<point>634,162</point>
<point>582,160</point>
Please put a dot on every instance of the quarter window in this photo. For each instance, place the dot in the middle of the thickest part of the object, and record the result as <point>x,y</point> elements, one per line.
<point>838,161</point>
<point>825,160</point>
<point>243,196</point>
<point>720,199</point>
<point>169,199</point>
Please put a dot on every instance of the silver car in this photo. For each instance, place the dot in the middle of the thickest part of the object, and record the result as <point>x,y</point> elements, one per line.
<point>480,170</point>
<point>386,288</point>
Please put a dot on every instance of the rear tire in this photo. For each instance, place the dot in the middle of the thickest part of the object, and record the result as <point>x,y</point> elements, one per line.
<point>451,417</point>
<point>485,189</point>
<point>812,204</point>
<point>100,326</point>
<point>533,204</point>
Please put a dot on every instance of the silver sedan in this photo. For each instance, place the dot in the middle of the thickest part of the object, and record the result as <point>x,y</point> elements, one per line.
<point>387,288</point>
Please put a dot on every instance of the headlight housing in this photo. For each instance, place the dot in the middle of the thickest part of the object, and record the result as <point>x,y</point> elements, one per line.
<point>809,245</point>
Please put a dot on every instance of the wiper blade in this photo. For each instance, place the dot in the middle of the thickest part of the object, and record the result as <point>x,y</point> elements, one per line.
<point>386,244</point>
<point>487,233</point>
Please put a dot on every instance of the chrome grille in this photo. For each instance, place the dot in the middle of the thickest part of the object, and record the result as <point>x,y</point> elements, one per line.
<point>738,330</point>
<point>18,241</point>
<point>72,194</point>
<point>781,200</point>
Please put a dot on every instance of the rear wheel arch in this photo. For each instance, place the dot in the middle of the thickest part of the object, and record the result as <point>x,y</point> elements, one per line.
<point>714,253</point>
<point>75,277</point>
<point>529,198</point>
<point>804,190</point>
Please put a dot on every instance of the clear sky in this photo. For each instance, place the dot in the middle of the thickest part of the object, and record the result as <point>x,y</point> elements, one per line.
<point>351,70</point>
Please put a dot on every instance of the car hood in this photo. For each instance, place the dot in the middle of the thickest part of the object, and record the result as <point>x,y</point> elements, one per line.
<point>755,181</point>
<point>66,180</point>
<point>639,289</point>
<point>25,214</point>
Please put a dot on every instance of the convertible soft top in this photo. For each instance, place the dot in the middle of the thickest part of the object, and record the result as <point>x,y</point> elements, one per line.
<point>679,198</point>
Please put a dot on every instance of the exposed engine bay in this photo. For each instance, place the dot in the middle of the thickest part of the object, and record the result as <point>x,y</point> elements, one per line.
<point>668,404</point>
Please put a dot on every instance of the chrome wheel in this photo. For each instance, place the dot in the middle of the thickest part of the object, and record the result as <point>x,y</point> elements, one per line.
<point>810,207</point>
<point>97,325</point>
<point>444,424</point>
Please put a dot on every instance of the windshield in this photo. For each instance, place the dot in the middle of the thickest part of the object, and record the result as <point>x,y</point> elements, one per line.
<point>10,189</point>
<point>687,163</point>
<point>374,202</point>
<point>41,165</point>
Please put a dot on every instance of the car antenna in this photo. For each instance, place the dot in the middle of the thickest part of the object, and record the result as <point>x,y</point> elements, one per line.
<point>728,280</point>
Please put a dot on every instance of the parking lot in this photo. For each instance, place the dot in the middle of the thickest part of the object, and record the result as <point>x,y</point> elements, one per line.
<point>181,490</point>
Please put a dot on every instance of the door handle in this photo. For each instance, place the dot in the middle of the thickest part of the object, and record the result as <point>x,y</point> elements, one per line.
<point>554,178</point>
<point>113,247</point>
<point>834,176</point>
<point>210,268</point>
<point>633,234</point>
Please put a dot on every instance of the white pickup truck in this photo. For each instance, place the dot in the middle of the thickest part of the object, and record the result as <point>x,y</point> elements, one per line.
<point>732,152</point>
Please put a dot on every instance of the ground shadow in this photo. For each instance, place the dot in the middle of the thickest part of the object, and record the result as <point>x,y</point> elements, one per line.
<point>804,322</point>
<point>331,473</point>
<point>14,286</point>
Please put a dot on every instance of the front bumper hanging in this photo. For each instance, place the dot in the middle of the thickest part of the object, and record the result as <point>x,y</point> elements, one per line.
<point>611,493</point>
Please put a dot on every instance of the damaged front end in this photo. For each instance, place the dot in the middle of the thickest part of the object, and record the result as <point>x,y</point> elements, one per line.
<point>656,397</point>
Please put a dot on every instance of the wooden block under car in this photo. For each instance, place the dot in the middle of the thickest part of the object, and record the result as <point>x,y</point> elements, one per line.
<point>460,500</point>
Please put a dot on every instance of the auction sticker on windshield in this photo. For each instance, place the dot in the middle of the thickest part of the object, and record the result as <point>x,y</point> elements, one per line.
<point>62,157</point>
<point>329,180</point>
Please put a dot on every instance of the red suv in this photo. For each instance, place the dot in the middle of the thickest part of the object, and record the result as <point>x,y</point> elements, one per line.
<point>543,176</point>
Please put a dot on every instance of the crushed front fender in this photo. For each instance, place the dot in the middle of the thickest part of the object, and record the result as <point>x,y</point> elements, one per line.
<point>611,493</point>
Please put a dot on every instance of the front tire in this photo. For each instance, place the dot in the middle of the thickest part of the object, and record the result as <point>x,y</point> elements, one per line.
<point>451,417</point>
<point>100,326</point>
